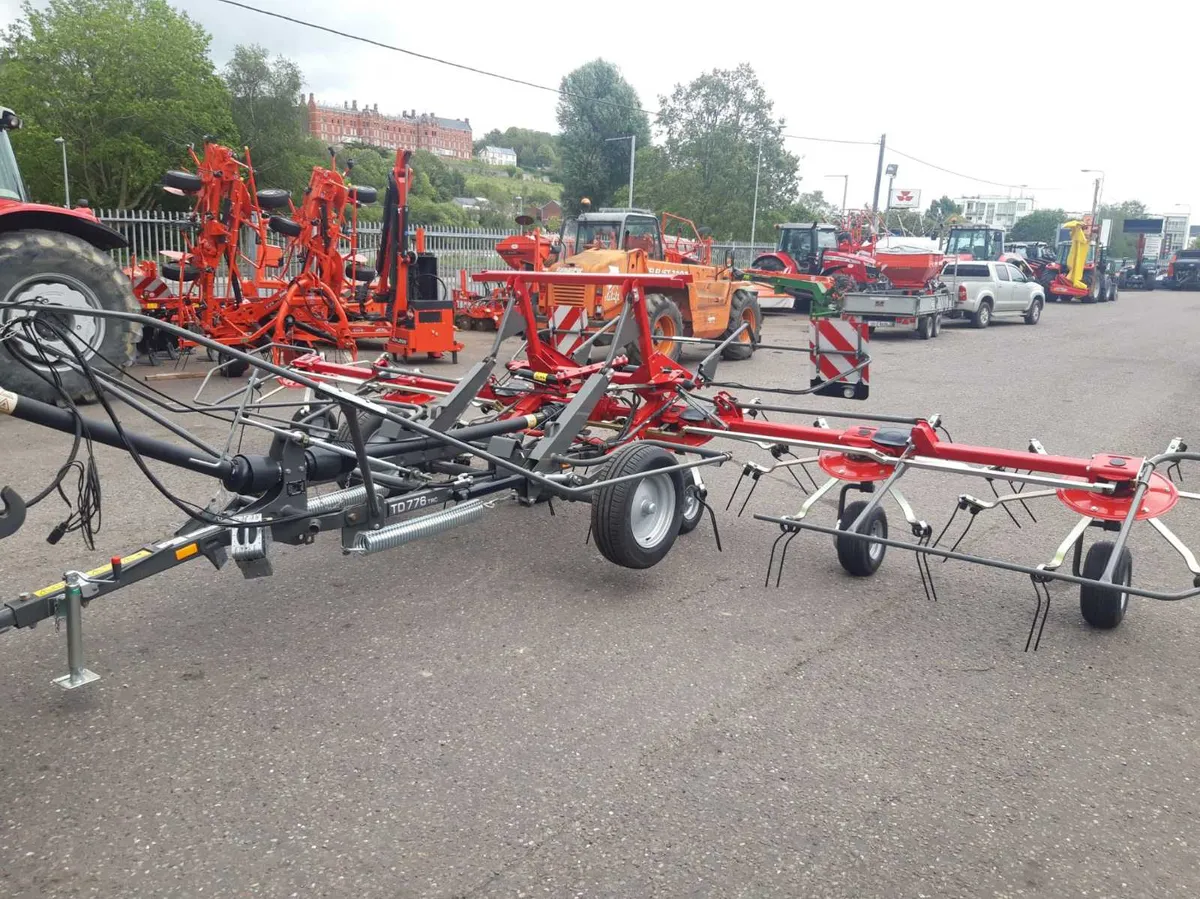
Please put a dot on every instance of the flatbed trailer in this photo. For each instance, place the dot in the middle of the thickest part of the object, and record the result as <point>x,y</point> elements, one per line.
<point>922,311</point>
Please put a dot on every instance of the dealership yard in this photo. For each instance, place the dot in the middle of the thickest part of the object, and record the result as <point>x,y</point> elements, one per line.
<point>499,711</point>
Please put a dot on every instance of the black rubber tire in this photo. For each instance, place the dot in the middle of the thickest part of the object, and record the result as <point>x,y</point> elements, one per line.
<point>1103,607</point>
<point>742,303</point>
<point>690,518</point>
<point>937,324</point>
<point>658,308</point>
<point>1034,314</point>
<point>368,424</point>
<point>364,194</point>
<point>230,367</point>
<point>613,509</point>
<point>983,315</point>
<point>285,226</point>
<point>184,181</point>
<point>170,272</point>
<point>1116,292</point>
<point>859,557</point>
<point>361,273</point>
<point>273,198</point>
<point>925,327</point>
<point>1151,282</point>
<point>30,259</point>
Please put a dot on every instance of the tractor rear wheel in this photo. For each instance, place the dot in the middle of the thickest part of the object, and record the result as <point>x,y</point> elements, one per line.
<point>665,322</point>
<point>636,522</point>
<point>56,268</point>
<point>743,309</point>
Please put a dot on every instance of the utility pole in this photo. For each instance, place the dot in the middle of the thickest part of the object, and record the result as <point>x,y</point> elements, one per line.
<point>878,179</point>
<point>891,173</point>
<point>1096,209</point>
<point>754,215</point>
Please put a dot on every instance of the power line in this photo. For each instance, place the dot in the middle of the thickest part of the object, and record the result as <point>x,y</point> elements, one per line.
<point>564,93</point>
<point>966,177</point>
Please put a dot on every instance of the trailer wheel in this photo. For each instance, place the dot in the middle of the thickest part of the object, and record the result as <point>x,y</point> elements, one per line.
<point>1104,607</point>
<point>983,315</point>
<point>936,327</point>
<point>743,307</point>
<point>925,327</point>
<point>859,557</point>
<point>636,522</point>
<point>1116,292</point>
<point>1034,314</point>
<point>49,266</point>
<point>665,321</point>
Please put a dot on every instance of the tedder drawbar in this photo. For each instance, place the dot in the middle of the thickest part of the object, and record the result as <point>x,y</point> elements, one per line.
<point>387,456</point>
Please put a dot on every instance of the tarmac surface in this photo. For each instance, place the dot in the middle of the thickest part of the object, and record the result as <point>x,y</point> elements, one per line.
<point>501,712</point>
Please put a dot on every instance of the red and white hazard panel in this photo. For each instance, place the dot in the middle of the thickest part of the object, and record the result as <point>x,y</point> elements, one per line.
<point>149,288</point>
<point>568,328</point>
<point>839,350</point>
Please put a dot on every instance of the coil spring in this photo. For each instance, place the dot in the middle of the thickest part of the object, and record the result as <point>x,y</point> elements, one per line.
<point>419,528</point>
<point>331,502</point>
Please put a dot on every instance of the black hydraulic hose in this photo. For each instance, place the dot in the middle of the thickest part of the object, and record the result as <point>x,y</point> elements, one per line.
<point>8,618</point>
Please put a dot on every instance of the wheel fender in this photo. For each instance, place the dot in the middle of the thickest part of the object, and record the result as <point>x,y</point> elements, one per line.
<point>31,217</point>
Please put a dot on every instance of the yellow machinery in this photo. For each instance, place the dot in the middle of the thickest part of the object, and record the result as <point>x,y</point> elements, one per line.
<point>1077,255</point>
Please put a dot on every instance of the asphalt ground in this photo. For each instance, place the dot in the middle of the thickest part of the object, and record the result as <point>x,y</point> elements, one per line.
<point>501,712</point>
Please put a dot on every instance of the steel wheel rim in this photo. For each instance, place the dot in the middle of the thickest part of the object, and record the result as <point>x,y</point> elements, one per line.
<point>984,314</point>
<point>652,510</point>
<point>691,505</point>
<point>59,290</point>
<point>664,327</point>
<point>747,318</point>
<point>875,550</point>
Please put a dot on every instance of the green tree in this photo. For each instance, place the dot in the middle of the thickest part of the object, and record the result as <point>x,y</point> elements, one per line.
<point>597,104</point>
<point>127,83</point>
<point>266,109</point>
<point>941,209</point>
<point>714,130</point>
<point>536,150</point>
<point>1120,244</point>
<point>1041,224</point>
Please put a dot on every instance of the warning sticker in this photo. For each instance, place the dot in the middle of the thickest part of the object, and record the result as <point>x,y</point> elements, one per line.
<point>8,401</point>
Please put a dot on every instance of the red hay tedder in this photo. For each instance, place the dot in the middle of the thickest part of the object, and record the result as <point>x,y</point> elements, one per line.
<point>387,456</point>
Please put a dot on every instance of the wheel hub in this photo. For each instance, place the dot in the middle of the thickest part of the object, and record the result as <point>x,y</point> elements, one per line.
<point>653,508</point>
<point>86,331</point>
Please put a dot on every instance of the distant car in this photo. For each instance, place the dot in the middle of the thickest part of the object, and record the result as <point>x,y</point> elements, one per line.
<point>983,290</point>
<point>1183,271</point>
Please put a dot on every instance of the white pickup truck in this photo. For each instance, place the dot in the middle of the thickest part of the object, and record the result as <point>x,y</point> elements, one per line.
<point>983,290</point>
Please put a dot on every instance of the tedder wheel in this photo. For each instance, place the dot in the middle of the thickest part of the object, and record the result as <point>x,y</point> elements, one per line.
<point>361,273</point>
<point>636,522</point>
<point>1034,314</point>
<point>363,194</point>
<point>273,198</point>
<point>285,226</point>
<point>171,272</point>
<point>231,367</point>
<point>52,267</point>
<point>743,307</point>
<point>983,315</point>
<point>184,181</point>
<point>859,557</point>
<point>693,509</point>
<point>665,322</point>
<point>1104,607</point>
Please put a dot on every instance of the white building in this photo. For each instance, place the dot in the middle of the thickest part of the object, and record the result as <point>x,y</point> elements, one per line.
<point>1175,233</point>
<point>999,212</point>
<point>498,155</point>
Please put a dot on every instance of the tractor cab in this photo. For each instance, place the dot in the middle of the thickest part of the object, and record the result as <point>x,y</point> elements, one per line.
<point>975,242</point>
<point>11,185</point>
<point>613,229</point>
<point>1036,252</point>
<point>801,244</point>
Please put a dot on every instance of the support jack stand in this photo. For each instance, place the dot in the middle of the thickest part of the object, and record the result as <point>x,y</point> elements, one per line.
<point>77,675</point>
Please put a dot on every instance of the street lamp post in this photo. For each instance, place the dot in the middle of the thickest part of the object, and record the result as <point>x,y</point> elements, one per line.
<point>754,214</point>
<point>62,142</point>
<point>632,138</point>
<point>891,173</point>
<point>845,191</point>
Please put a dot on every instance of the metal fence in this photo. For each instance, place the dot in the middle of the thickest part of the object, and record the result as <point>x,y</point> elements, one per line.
<point>150,232</point>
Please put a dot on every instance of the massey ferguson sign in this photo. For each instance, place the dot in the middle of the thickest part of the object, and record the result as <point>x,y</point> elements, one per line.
<point>905,199</point>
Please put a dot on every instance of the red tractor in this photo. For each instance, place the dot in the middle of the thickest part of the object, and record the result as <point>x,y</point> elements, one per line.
<point>819,248</point>
<point>50,254</point>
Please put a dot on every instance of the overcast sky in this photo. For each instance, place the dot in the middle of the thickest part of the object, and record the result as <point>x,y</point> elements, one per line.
<point>1022,95</point>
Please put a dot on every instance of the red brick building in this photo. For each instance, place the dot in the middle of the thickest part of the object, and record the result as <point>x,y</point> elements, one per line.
<point>347,123</point>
